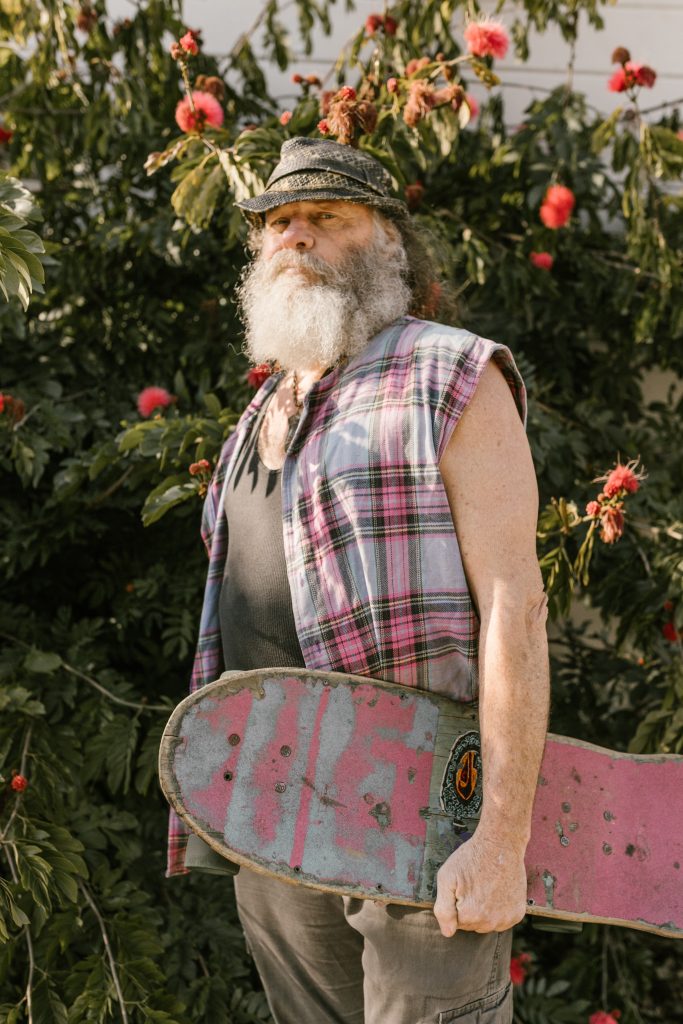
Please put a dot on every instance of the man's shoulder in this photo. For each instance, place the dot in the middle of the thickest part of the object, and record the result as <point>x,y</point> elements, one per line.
<point>430,339</point>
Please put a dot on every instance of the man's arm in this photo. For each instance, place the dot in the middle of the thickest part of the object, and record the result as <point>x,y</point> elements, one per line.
<point>489,478</point>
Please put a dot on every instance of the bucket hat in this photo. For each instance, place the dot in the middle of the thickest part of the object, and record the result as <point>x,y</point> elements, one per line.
<point>321,169</point>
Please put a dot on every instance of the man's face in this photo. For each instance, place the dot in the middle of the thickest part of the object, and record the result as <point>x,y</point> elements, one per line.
<point>327,276</point>
<point>324,228</point>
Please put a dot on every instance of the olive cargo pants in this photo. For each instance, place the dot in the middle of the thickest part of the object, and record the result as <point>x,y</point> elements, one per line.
<point>326,959</point>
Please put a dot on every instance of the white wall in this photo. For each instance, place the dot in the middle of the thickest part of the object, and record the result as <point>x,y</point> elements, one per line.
<point>651,29</point>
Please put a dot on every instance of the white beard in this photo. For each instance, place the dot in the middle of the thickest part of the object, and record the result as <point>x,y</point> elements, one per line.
<point>327,312</point>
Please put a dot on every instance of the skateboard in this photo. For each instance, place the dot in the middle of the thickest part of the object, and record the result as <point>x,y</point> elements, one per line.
<point>364,788</point>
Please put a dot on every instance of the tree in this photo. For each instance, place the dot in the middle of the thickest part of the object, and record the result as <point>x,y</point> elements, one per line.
<point>99,614</point>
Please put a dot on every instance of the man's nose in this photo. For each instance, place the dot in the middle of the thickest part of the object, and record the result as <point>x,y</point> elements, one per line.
<point>297,235</point>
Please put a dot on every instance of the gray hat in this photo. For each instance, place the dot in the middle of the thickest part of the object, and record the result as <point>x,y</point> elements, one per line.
<point>321,169</point>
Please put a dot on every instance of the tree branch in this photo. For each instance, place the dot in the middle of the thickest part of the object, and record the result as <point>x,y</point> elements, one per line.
<point>109,951</point>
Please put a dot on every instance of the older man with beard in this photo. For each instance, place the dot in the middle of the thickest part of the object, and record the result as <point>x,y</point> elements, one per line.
<point>351,527</point>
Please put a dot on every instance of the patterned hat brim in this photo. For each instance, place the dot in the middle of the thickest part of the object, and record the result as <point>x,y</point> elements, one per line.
<point>270,200</point>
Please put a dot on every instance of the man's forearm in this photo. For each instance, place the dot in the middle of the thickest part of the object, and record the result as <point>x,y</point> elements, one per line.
<point>514,699</point>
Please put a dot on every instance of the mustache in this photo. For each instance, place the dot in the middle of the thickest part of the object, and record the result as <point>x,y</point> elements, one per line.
<point>289,258</point>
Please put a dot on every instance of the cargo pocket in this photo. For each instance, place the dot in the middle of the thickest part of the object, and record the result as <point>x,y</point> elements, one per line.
<point>493,1009</point>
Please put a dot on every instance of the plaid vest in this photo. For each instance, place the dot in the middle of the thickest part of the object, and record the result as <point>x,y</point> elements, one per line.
<point>375,572</point>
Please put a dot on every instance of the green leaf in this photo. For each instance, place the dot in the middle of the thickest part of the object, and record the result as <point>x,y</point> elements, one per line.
<point>42,662</point>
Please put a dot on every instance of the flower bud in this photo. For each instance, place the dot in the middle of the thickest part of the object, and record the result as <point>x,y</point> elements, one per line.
<point>620,55</point>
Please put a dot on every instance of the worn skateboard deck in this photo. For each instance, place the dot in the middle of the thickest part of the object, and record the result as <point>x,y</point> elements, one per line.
<point>364,788</point>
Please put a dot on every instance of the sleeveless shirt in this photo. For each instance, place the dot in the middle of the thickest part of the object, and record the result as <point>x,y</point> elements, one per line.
<point>375,573</point>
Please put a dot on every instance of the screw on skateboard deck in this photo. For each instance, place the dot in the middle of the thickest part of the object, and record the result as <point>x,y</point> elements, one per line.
<point>364,788</point>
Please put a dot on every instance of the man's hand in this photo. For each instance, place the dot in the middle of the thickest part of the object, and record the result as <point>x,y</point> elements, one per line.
<point>488,883</point>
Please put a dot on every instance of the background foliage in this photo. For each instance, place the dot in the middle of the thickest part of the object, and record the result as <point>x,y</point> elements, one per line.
<point>99,614</point>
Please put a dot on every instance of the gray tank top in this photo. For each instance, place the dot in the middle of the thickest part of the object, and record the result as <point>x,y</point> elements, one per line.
<point>255,608</point>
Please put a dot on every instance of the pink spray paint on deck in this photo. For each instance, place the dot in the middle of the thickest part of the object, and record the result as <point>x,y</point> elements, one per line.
<point>633,799</point>
<point>383,732</point>
<point>225,719</point>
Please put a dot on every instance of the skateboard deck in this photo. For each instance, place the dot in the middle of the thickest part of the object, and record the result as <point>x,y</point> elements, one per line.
<point>364,788</point>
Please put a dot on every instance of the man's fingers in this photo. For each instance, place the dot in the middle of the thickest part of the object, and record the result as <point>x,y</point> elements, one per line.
<point>445,908</point>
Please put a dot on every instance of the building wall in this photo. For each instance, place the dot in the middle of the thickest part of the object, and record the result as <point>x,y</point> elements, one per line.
<point>651,29</point>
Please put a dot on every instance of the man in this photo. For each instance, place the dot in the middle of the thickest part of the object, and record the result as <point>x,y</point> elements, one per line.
<point>367,534</point>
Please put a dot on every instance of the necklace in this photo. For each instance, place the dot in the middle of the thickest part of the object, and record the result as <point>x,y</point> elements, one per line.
<point>293,422</point>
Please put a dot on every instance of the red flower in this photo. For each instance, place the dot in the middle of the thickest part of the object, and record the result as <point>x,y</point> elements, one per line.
<point>486,38</point>
<point>189,44</point>
<point>518,971</point>
<point>643,74</point>
<point>258,374</point>
<point>285,117</point>
<point>372,23</point>
<point>611,523</point>
<point>208,111</point>
<point>557,206</point>
<point>392,85</point>
<point>630,75</point>
<point>5,135</point>
<point>297,79</point>
<point>19,783</point>
<point>153,398</point>
<point>347,93</point>
<point>2,402</point>
<point>670,633</point>
<point>542,260</point>
<point>323,127</point>
<point>602,1017</point>
<point>390,26</point>
<point>197,468</point>
<point>593,508</point>
<point>622,478</point>
<point>618,83</point>
<point>413,194</point>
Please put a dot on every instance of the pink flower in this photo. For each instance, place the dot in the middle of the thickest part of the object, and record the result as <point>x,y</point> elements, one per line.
<point>208,111</point>
<point>416,64</point>
<point>153,398</point>
<point>557,206</point>
<point>593,508</point>
<point>285,117</point>
<point>486,38</point>
<point>19,783</point>
<point>542,260</point>
<point>258,374</point>
<point>622,478</point>
<point>601,1017</point>
<point>611,523</point>
<point>518,970</point>
<point>473,105</point>
<point>392,85</point>
<point>5,135</point>
<point>197,468</point>
<point>189,44</point>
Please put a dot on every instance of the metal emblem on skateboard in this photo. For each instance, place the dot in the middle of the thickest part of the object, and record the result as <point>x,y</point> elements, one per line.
<point>461,787</point>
